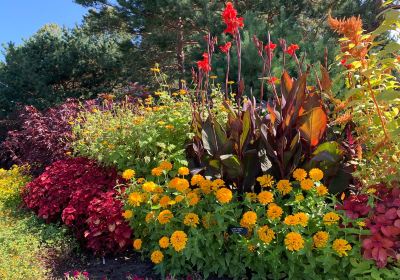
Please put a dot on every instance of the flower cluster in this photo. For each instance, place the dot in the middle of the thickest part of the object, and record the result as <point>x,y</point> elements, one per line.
<point>175,218</point>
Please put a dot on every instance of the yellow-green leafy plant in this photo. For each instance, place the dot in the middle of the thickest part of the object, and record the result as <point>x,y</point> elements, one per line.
<point>11,183</point>
<point>287,230</point>
<point>372,100</point>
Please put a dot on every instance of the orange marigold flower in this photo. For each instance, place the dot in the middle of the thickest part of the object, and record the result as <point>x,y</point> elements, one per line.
<point>341,246</point>
<point>135,198</point>
<point>178,240</point>
<point>183,171</point>
<point>251,196</point>
<point>321,190</point>
<point>191,219</point>
<point>265,197</point>
<point>157,257</point>
<point>266,181</point>
<point>205,186</point>
<point>149,216</point>
<point>149,186</point>
<point>166,165</point>
<point>164,201</point>
<point>274,212</point>
<point>165,216</point>
<point>196,179</point>
<point>127,214</point>
<point>284,187</point>
<point>299,174</point>
<point>217,183</point>
<point>320,239</point>
<point>137,244</point>
<point>157,171</point>
<point>164,242</point>
<point>331,218</point>
<point>224,195</point>
<point>249,219</point>
<point>193,198</point>
<point>294,241</point>
<point>179,198</point>
<point>182,185</point>
<point>316,174</point>
<point>302,219</point>
<point>128,174</point>
<point>306,184</point>
<point>266,234</point>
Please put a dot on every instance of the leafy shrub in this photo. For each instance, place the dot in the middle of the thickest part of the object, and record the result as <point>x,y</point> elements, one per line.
<point>11,183</point>
<point>136,136</point>
<point>382,213</point>
<point>81,194</point>
<point>42,138</point>
<point>287,230</point>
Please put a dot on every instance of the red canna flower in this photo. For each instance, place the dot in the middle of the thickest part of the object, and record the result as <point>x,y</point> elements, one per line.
<point>272,80</point>
<point>225,48</point>
<point>204,64</point>
<point>229,16</point>
<point>291,50</point>
<point>271,46</point>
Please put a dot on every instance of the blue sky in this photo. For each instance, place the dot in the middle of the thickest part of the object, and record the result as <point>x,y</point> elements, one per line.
<point>22,18</point>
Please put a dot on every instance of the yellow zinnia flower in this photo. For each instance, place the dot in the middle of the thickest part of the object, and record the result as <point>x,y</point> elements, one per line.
<point>191,219</point>
<point>265,197</point>
<point>149,186</point>
<point>224,195</point>
<point>178,240</point>
<point>316,174</point>
<point>266,181</point>
<point>306,184</point>
<point>299,174</point>
<point>341,246</point>
<point>294,241</point>
<point>165,216</point>
<point>128,174</point>
<point>135,198</point>
<point>127,214</point>
<point>164,242</point>
<point>183,171</point>
<point>331,218</point>
<point>249,219</point>
<point>157,257</point>
<point>320,239</point>
<point>274,211</point>
<point>137,244</point>
<point>321,190</point>
<point>284,187</point>
<point>266,234</point>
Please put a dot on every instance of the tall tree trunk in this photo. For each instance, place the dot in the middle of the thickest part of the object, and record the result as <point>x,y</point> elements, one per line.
<point>180,54</point>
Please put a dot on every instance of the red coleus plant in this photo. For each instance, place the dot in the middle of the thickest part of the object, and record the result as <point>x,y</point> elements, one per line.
<point>81,194</point>
<point>383,220</point>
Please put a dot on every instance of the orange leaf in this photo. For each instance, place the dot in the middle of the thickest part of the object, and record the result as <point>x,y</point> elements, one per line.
<point>313,125</point>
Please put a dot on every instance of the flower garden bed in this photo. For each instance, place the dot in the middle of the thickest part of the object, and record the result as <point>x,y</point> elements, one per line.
<point>204,182</point>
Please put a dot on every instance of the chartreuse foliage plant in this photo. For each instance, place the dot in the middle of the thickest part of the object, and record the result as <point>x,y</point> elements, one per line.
<point>372,98</point>
<point>137,135</point>
<point>288,230</point>
<point>23,237</point>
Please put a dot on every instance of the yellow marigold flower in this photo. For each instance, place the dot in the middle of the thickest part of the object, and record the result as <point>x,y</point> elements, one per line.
<point>307,184</point>
<point>251,196</point>
<point>299,197</point>
<point>178,240</point>
<point>316,174</point>
<point>165,216</point>
<point>249,219</point>
<point>183,171</point>
<point>193,198</point>
<point>135,198</point>
<point>290,220</point>
<point>341,246</point>
<point>299,174</point>
<point>218,183</point>
<point>127,214</point>
<point>174,182</point>
<point>166,165</point>
<point>331,218</point>
<point>182,185</point>
<point>179,198</point>
<point>182,91</point>
<point>196,179</point>
<point>320,239</point>
<point>157,257</point>
<point>302,219</point>
<point>274,212</point>
<point>266,234</point>
<point>284,187</point>
<point>224,195</point>
<point>137,244</point>
<point>140,180</point>
<point>149,216</point>
<point>265,197</point>
<point>149,186</point>
<point>321,190</point>
<point>266,181</point>
<point>164,242</point>
<point>294,241</point>
<point>164,201</point>
<point>157,171</point>
<point>128,174</point>
<point>205,186</point>
<point>191,219</point>
<point>158,189</point>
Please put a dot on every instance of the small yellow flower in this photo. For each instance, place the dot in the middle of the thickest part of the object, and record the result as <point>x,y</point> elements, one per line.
<point>284,187</point>
<point>331,218</point>
<point>127,214</point>
<point>137,244</point>
<point>274,212</point>
<point>183,171</point>
<point>224,195</point>
<point>299,174</point>
<point>249,219</point>
<point>155,70</point>
<point>321,190</point>
<point>294,241</point>
<point>370,191</point>
<point>217,183</point>
<point>252,197</point>
<point>266,234</point>
<point>302,219</point>
<point>193,198</point>
<point>306,184</point>
<point>182,91</point>
<point>165,216</point>
<point>135,198</point>
<point>299,197</point>
<point>196,179</point>
<point>265,197</point>
<point>128,174</point>
<point>320,239</point>
<point>182,185</point>
<point>316,174</point>
<point>361,224</point>
<point>191,219</point>
<point>205,186</point>
<point>149,186</point>
<point>164,242</point>
<point>266,181</point>
<point>178,240</point>
<point>164,201</point>
<point>341,246</point>
<point>157,171</point>
<point>157,257</point>
<point>166,165</point>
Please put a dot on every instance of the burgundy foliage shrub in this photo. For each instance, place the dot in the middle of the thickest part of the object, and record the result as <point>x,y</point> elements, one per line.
<point>42,137</point>
<point>81,194</point>
<point>383,220</point>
